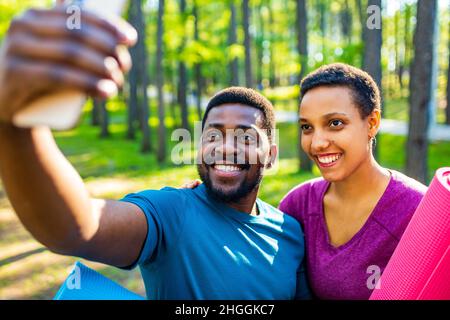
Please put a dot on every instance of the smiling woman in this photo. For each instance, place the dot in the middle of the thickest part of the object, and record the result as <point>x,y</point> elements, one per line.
<point>355,214</point>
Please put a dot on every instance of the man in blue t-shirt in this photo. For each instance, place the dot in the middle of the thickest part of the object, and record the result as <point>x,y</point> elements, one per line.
<point>214,242</point>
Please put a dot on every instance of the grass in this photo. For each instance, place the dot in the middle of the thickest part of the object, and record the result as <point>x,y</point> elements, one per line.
<point>113,167</point>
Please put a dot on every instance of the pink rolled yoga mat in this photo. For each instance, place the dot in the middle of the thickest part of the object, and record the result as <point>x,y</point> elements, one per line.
<point>419,269</point>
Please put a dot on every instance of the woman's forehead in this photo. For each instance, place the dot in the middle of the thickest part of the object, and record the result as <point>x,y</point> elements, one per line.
<point>326,100</point>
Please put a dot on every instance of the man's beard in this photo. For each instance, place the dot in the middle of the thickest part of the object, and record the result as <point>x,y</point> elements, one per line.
<point>244,189</point>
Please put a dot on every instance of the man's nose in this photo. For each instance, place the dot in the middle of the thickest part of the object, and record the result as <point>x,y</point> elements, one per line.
<point>229,149</point>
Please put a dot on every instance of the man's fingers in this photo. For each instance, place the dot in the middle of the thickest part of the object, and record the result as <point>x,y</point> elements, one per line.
<point>66,52</point>
<point>54,27</point>
<point>89,35</point>
<point>57,76</point>
<point>120,29</point>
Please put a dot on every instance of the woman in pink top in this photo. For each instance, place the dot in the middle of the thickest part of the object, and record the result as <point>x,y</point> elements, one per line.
<point>354,216</point>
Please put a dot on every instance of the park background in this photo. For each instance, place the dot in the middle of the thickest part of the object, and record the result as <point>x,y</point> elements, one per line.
<point>189,47</point>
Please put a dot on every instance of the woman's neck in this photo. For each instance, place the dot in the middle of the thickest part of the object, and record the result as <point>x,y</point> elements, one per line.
<point>368,175</point>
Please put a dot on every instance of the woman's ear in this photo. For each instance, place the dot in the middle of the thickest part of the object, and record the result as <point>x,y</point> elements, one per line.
<point>373,122</point>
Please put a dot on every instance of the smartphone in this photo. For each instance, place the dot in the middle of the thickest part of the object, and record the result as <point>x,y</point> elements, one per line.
<point>62,110</point>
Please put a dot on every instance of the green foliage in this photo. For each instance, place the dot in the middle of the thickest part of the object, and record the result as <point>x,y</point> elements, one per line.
<point>11,8</point>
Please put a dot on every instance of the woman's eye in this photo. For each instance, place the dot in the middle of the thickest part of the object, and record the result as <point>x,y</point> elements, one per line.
<point>336,123</point>
<point>305,127</point>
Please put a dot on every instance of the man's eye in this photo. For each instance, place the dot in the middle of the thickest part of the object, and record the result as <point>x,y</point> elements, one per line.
<point>247,138</point>
<point>336,123</point>
<point>211,137</point>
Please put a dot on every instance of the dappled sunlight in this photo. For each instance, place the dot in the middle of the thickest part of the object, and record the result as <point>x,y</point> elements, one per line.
<point>33,275</point>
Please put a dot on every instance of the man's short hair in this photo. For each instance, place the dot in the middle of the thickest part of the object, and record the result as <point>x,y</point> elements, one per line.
<point>365,92</point>
<point>248,97</point>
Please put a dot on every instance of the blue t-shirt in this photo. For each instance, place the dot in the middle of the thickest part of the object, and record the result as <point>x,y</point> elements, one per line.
<point>200,248</point>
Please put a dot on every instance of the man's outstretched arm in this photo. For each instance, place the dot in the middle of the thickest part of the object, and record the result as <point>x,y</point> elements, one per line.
<point>41,55</point>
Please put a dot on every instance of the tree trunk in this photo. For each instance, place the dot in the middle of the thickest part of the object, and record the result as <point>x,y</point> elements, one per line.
<point>138,106</point>
<point>272,67</point>
<point>234,64</point>
<point>421,91</point>
<point>146,145</point>
<point>197,66</point>
<point>321,8</point>
<point>302,47</point>
<point>183,81</point>
<point>372,54</point>
<point>362,21</point>
<point>372,49</point>
<point>398,62</point>
<point>133,77</point>
<point>161,156</point>
<point>95,120</point>
<point>104,119</point>
<point>347,22</point>
<point>259,46</point>
<point>247,44</point>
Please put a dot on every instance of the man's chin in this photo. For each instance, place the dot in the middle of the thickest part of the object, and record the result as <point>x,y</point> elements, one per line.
<point>225,193</point>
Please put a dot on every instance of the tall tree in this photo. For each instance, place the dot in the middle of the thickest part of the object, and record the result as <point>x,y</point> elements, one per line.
<point>132,105</point>
<point>161,154</point>
<point>198,65</point>
<point>272,36</point>
<point>259,22</point>
<point>182,70</point>
<point>346,20</point>
<point>232,40</point>
<point>322,10</point>
<point>247,43</point>
<point>404,66</point>
<point>372,45</point>
<point>95,119</point>
<point>146,144</point>
<point>421,90</point>
<point>104,119</point>
<point>139,79</point>
<point>362,20</point>
<point>302,47</point>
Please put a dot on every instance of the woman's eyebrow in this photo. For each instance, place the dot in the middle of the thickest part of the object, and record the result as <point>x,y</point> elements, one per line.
<point>334,114</point>
<point>327,116</point>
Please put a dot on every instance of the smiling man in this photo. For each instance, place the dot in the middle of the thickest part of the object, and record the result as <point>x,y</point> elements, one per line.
<point>218,241</point>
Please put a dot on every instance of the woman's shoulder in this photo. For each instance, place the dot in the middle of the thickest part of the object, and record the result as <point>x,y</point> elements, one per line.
<point>399,203</point>
<point>303,194</point>
<point>407,185</point>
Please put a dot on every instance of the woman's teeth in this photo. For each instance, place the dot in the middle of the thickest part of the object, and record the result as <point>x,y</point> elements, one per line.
<point>328,159</point>
<point>227,168</point>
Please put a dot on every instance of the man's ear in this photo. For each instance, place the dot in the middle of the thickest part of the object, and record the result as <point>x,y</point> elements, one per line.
<point>373,122</point>
<point>273,152</point>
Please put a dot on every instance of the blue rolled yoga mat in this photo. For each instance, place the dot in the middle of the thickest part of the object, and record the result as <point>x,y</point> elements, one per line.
<point>83,283</point>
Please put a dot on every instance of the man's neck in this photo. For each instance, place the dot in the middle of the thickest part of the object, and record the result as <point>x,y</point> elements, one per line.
<point>246,204</point>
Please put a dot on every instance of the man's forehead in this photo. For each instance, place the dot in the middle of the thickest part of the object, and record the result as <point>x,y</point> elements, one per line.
<point>235,115</point>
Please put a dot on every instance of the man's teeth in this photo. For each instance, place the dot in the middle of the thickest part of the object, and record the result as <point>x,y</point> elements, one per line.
<point>329,159</point>
<point>227,168</point>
